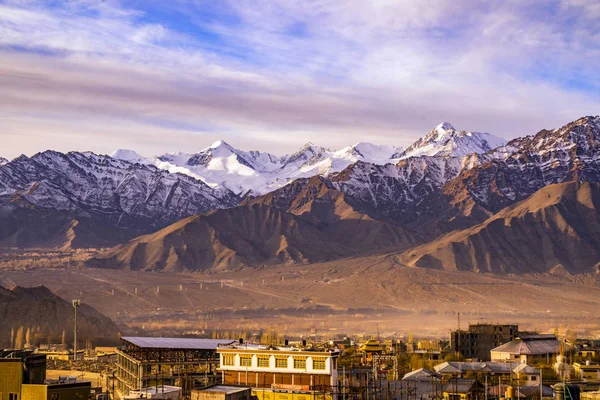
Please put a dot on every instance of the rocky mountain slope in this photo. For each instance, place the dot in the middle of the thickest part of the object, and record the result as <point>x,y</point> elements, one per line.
<point>304,222</point>
<point>556,230</point>
<point>83,199</point>
<point>45,315</point>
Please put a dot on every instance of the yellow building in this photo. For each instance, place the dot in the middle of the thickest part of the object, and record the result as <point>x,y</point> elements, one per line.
<point>11,378</point>
<point>18,367</point>
<point>23,377</point>
<point>58,391</point>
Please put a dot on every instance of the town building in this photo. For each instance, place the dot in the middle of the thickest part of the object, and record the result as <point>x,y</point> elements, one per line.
<point>222,392</point>
<point>477,342</point>
<point>528,349</point>
<point>163,392</point>
<point>19,367</point>
<point>462,389</point>
<point>422,374</point>
<point>56,390</point>
<point>587,371</point>
<point>275,372</point>
<point>144,362</point>
<point>23,377</point>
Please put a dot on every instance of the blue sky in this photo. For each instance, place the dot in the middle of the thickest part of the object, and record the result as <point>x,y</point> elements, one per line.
<point>160,76</point>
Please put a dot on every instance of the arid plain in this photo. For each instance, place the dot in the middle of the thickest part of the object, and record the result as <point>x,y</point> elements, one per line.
<point>359,295</point>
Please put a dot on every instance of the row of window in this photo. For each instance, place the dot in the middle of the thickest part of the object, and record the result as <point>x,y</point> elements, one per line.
<point>280,361</point>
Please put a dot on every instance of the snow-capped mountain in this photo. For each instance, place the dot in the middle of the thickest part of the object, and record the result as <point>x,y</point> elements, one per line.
<point>445,140</point>
<point>447,179</point>
<point>257,173</point>
<point>3,161</point>
<point>525,165</point>
<point>477,184</point>
<point>119,193</point>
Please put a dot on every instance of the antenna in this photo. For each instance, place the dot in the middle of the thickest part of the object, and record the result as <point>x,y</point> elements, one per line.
<point>76,305</point>
<point>458,335</point>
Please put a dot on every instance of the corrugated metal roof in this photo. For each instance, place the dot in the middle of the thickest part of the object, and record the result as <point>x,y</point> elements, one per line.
<point>175,343</point>
<point>420,374</point>
<point>530,347</point>
<point>456,367</point>
<point>459,385</point>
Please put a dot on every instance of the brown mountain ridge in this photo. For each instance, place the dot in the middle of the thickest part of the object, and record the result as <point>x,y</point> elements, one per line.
<point>557,229</point>
<point>304,222</point>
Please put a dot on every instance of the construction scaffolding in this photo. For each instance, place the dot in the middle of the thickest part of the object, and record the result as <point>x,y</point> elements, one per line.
<point>154,362</point>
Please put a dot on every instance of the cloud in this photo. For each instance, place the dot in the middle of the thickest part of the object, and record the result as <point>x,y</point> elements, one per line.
<point>273,75</point>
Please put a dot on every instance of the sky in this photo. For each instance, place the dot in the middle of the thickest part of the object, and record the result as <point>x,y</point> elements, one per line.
<point>159,76</point>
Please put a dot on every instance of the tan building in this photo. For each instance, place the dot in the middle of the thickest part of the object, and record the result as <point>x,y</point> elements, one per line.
<point>277,372</point>
<point>587,371</point>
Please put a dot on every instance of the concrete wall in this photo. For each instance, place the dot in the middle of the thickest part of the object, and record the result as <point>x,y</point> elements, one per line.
<point>11,377</point>
<point>589,396</point>
<point>34,392</point>
<point>212,395</point>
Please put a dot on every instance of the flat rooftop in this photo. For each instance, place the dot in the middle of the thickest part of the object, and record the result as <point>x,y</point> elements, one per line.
<point>225,389</point>
<point>175,343</point>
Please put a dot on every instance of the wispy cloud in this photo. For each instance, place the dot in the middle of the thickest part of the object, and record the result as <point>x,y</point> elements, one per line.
<point>163,76</point>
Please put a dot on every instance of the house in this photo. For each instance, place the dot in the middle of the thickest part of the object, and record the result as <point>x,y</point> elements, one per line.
<point>461,389</point>
<point>587,372</point>
<point>528,349</point>
<point>422,374</point>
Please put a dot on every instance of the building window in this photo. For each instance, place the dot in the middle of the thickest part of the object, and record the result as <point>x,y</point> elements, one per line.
<point>281,361</point>
<point>245,361</point>
<point>13,396</point>
<point>534,378</point>
<point>318,362</point>
<point>300,362</point>
<point>228,359</point>
<point>263,361</point>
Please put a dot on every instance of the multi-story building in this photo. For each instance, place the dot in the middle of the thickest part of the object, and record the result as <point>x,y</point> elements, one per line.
<point>272,372</point>
<point>477,342</point>
<point>146,361</point>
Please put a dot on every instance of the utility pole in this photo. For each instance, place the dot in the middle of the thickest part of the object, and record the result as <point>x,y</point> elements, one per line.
<point>76,305</point>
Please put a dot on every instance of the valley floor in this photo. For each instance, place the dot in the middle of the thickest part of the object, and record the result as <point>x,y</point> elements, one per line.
<point>354,295</point>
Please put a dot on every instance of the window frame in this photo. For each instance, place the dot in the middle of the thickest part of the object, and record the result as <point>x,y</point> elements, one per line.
<point>318,362</point>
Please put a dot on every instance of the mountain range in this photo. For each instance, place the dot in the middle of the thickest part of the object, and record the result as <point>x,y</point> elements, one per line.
<point>452,200</point>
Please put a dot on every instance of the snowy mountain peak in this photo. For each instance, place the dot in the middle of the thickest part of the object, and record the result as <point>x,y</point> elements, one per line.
<point>445,126</point>
<point>129,155</point>
<point>445,140</point>
<point>3,161</point>
<point>220,144</point>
